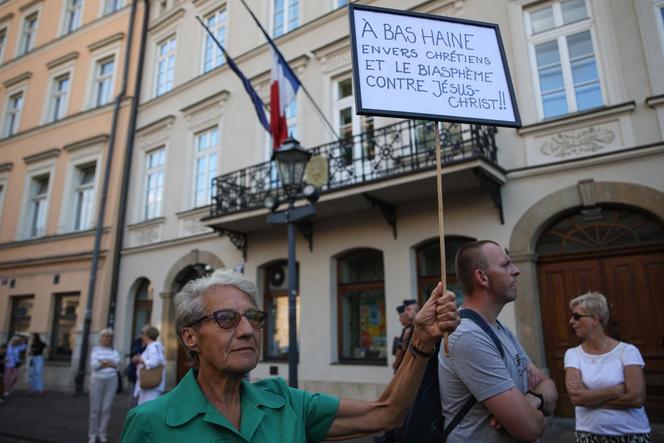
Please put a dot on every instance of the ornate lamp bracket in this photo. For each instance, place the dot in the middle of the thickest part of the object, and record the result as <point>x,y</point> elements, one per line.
<point>238,239</point>
<point>306,228</point>
<point>492,188</point>
<point>389,211</point>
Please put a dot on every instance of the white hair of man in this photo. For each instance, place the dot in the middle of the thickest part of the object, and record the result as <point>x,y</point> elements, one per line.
<point>595,304</point>
<point>188,302</point>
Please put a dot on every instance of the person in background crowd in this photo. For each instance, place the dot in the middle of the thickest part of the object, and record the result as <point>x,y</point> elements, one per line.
<point>397,344</point>
<point>104,362</point>
<point>218,322</point>
<point>3,354</point>
<point>12,362</point>
<point>604,378</point>
<point>137,348</point>
<point>152,357</point>
<point>508,395</point>
<point>36,370</point>
<point>410,308</point>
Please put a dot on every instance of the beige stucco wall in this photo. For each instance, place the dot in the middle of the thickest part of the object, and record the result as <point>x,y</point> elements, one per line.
<point>82,135</point>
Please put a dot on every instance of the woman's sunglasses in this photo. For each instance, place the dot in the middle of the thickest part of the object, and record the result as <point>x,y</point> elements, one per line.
<point>229,318</point>
<point>578,317</point>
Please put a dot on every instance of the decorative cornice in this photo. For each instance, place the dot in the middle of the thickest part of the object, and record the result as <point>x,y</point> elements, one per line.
<point>151,222</point>
<point>166,20</point>
<point>655,101</point>
<point>18,79</point>
<point>156,125</point>
<point>97,139</point>
<point>29,5</point>
<point>50,153</point>
<point>6,167</point>
<point>6,17</point>
<point>92,47</point>
<point>218,98</point>
<point>62,60</point>
<point>578,118</point>
<point>341,44</point>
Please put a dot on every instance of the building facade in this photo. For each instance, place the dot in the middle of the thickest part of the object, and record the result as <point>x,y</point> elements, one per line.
<point>62,65</point>
<point>576,194</point>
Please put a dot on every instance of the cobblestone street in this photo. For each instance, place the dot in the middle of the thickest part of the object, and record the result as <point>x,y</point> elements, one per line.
<point>60,417</point>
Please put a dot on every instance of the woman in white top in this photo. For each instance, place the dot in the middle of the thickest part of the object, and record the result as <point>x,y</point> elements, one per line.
<point>104,363</point>
<point>152,357</point>
<point>604,378</point>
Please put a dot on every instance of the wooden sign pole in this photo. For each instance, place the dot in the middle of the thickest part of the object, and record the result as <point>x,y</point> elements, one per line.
<point>441,224</point>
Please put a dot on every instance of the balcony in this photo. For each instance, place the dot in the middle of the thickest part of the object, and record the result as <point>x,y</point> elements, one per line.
<point>387,165</point>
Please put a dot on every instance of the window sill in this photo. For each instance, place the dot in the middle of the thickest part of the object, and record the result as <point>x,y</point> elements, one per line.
<point>577,117</point>
<point>360,363</point>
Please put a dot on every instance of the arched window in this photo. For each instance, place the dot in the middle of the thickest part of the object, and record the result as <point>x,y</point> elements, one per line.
<point>428,267</point>
<point>142,307</point>
<point>600,228</point>
<point>361,307</point>
<point>275,301</point>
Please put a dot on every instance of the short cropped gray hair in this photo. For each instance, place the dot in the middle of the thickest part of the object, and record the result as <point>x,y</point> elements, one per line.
<point>595,304</point>
<point>106,331</point>
<point>150,331</point>
<point>189,301</point>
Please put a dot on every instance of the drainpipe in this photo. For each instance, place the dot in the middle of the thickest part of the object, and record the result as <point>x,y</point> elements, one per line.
<point>87,322</point>
<point>126,170</point>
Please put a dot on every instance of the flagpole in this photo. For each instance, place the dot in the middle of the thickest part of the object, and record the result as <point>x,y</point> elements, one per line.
<point>441,225</point>
<point>306,92</point>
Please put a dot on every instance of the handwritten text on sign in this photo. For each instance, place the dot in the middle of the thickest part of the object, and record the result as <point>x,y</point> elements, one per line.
<point>412,64</point>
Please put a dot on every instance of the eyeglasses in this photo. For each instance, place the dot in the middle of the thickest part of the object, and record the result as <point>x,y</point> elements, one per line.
<point>578,317</point>
<point>229,318</point>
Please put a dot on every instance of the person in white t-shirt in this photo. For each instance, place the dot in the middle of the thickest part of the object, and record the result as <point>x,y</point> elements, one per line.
<point>152,357</point>
<point>604,378</point>
<point>104,363</point>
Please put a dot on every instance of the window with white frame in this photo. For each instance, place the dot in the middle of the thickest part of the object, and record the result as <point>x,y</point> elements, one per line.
<point>59,96</point>
<point>659,12</point>
<point>285,16</point>
<point>72,15</point>
<point>112,6</point>
<point>205,165</point>
<point>561,45</point>
<point>38,205</point>
<point>13,114</point>
<point>103,81</point>
<point>349,125</point>
<point>212,55</point>
<point>84,193</point>
<point>28,34</point>
<point>3,43</point>
<point>154,183</point>
<point>165,66</point>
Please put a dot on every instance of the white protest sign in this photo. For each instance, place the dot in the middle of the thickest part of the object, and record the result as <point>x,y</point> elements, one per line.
<point>414,65</point>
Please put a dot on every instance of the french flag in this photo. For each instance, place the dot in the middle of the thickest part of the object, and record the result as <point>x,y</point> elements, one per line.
<point>282,93</point>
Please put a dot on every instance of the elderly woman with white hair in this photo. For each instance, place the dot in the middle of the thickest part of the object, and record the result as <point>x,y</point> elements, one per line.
<point>150,364</point>
<point>604,378</point>
<point>104,362</point>
<point>218,321</point>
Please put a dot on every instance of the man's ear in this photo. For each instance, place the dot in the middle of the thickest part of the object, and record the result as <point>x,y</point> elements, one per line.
<point>190,339</point>
<point>481,278</point>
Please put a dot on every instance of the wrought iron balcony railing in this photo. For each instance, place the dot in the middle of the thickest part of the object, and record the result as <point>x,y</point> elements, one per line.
<point>376,154</point>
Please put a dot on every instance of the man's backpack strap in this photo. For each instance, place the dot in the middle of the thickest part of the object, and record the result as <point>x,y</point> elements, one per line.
<point>468,405</point>
<point>479,321</point>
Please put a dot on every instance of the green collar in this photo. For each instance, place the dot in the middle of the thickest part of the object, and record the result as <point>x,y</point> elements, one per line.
<point>188,401</point>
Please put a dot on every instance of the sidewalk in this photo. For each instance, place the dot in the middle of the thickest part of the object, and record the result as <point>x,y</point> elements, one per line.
<point>63,418</point>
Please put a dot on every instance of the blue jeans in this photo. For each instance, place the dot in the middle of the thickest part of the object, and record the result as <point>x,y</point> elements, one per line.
<point>36,374</point>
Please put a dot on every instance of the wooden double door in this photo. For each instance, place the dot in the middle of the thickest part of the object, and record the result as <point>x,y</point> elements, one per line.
<point>633,283</point>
